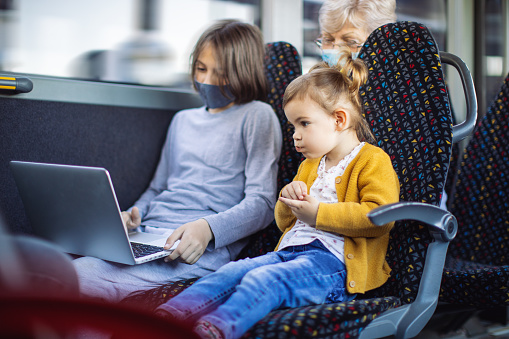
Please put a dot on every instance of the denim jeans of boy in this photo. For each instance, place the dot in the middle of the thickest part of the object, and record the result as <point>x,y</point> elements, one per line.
<point>240,293</point>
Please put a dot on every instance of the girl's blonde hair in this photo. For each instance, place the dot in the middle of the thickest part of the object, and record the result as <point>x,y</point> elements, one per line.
<point>363,14</point>
<point>334,87</point>
<point>240,54</point>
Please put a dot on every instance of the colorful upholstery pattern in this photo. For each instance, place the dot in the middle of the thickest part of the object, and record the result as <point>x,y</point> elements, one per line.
<point>477,271</point>
<point>152,298</point>
<point>408,108</point>
<point>342,320</point>
<point>408,111</point>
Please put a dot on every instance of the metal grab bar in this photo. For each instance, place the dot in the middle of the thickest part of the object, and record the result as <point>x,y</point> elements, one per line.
<point>464,129</point>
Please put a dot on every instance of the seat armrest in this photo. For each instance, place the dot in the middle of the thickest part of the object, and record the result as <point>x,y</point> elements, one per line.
<point>410,319</point>
<point>442,224</point>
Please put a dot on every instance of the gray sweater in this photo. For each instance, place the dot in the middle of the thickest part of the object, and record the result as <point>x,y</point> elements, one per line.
<point>221,167</point>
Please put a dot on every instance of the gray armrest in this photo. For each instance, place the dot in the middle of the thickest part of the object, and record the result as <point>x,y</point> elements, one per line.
<point>441,223</point>
<point>463,130</point>
<point>408,320</point>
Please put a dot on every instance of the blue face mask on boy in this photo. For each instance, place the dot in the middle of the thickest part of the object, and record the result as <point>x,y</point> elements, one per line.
<point>212,96</point>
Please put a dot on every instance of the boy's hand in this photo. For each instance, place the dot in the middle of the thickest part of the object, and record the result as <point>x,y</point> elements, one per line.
<point>305,210</point>
<point>132,219</point>
<point>194,238</point>
<point>295,190</point>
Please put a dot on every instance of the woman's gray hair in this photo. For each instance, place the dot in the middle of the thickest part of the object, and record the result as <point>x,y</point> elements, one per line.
<point>364,14</point>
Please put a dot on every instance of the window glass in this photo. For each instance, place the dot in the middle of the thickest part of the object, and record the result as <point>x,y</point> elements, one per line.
<point>139,41</point>
<point>494,48</point>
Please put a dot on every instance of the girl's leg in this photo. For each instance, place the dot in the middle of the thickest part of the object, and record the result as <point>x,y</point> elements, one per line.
<point>211,291</point>
<point>304,278</point>
<point>113,282</point>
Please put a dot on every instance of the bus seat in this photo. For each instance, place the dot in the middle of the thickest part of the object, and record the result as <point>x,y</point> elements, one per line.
<point>477,266</point>
<point>407,107</point>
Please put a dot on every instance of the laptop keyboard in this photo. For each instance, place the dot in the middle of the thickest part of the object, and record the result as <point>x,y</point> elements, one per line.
<point>142,250</point>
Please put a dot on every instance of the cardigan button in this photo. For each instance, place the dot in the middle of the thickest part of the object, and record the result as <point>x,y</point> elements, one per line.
<point>352,284</point>
<point>349,256</point>
<point>338,180</point>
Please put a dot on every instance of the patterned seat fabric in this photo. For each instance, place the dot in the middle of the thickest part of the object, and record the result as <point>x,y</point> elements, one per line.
<point>477,270</point>
<point>407,107</point>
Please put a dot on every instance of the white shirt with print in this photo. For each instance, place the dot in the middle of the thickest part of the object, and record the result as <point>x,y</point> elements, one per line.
<point>324,190</point>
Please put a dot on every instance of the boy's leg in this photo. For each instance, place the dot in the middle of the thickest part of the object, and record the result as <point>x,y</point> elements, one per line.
<point>209,292</point>
<point>305,278</point>
<point>113,282</point>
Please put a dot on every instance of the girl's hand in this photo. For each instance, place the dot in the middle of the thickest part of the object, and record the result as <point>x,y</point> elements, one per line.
<point>194,239</point>
<point>305,210</point>
<point>295,190</point>
<point>132,219</point>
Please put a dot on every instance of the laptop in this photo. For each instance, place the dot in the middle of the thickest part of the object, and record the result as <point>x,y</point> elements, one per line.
<point>76,208</point>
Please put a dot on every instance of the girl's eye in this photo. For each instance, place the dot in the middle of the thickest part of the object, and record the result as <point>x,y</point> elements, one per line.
<point>304,123</point>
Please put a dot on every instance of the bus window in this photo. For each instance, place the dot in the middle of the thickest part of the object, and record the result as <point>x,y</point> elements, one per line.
<point>491,45</point>
<point>134,41</point>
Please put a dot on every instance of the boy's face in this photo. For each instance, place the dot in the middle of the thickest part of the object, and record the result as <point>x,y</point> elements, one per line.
<point>206,67</point>
<point>315,132</point>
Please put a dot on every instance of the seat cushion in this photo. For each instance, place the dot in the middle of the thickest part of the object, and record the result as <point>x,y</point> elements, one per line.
<point>341,320</point>
<point>474,284</point>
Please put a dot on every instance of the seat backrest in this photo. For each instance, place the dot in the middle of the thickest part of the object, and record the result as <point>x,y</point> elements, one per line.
<point>407,106</point>
<point>481,198</point>
<point>282,65</point>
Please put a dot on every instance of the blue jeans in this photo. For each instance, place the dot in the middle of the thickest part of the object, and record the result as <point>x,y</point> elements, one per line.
<point>240,293</point>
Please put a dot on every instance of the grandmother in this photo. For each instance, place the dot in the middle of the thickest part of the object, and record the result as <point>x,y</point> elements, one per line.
<point>349,23</point>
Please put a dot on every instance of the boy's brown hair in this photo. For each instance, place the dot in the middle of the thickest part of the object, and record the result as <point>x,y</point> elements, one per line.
<point>240,53</point>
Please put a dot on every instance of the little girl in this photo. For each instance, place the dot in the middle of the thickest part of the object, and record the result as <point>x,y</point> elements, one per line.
<point>329,250</point>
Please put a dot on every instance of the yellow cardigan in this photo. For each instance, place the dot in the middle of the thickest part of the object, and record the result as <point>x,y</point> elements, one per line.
<point>369,181</point>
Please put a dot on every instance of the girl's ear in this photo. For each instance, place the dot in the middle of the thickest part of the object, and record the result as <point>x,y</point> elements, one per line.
<point>340,118</point>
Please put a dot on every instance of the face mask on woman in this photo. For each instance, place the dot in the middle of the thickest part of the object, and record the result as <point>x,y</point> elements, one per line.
<point>331,56</point>
<point>212,96</point>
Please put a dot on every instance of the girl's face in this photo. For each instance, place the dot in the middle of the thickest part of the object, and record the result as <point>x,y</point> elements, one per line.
<point>316,133</point>
<point>206,67</point>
